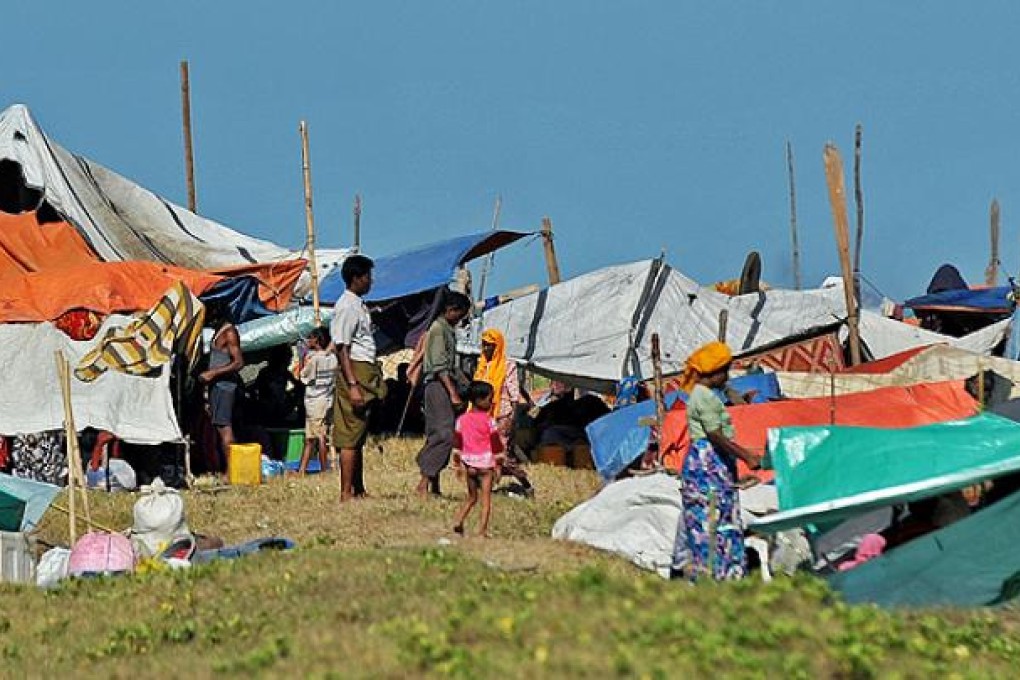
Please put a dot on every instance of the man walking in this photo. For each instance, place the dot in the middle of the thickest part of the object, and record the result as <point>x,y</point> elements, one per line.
<point>360,380</point>
<point>441,399</point>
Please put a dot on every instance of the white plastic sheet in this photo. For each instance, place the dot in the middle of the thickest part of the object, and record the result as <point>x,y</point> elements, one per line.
<point>136,409</point>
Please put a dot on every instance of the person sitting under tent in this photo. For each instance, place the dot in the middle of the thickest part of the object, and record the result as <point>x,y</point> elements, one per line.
<point>277,393</point>
<point>223,378</point>
<point>711,526</point>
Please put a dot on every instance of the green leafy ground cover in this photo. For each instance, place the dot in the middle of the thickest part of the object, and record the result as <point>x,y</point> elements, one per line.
<point>372,592</point>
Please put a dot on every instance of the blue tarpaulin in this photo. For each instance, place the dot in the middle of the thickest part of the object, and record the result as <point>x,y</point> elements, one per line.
<point>988,300</point>
<point>241,295</point>
<point>617,439</point>
<point>420,269</point>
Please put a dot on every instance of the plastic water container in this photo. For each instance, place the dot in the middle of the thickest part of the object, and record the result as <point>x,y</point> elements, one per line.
<point>244,464</point>
<point>17,557</point>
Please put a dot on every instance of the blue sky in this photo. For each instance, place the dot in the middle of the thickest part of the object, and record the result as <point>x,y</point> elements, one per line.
<point>635,126</point>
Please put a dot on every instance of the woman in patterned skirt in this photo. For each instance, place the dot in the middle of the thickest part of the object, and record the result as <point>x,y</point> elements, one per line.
<point>711,521</point>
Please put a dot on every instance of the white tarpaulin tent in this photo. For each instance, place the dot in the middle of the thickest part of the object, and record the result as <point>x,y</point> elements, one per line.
<point>136,409</point>
<point>596,329</point>
<point>121,220</point>
<point>937,363</point>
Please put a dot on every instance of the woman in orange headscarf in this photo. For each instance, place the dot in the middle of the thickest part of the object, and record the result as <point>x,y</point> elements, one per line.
<point>500,372</point>
<point>711,518</point>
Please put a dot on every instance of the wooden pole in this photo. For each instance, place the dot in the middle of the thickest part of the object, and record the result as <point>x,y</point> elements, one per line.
<point>797,282</point>
<point>189,154</point>
<point>551,265</point>
<point>357,223</point>
<point>306,171</point>
<point>660,403</point>
<point>992,273</point>
<point>837,200</point>
<point>724,320</point>
<point>75,476</point>
<point>490,258</point>
<point>859,203</point>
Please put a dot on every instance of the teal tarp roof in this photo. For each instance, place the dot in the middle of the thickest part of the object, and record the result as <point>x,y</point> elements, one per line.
<point>828,473</point>
<point>966,564</point>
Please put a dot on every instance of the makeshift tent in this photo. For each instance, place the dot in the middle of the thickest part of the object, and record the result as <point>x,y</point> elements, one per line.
<point>105,287</point>
<point>403,295</point>
<point>970,563</point>
<point>983,300</point>
<point>890,407</point>
<point>46,269</point>
<point>23,502</point>
<point>829,473</point>
<point>913,367</point>
<point>618,438</point>
<point>596,329</point>
<point>421,269</point>
<point>135,409</point>
<point>118,219</point>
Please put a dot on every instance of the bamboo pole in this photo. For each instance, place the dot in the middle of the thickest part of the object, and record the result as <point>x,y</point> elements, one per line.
<point>552,266</point>
<point>724,321</point>
<point>837,200</point>
<point>660,403</point>
<point>992,272</point>
<point>793,218</point>
<point>859,203</point>
<point>490,258</point>
<point>357,223</point>
<point>306,171</point>
<point>75,476</point>
<point>189,154</point>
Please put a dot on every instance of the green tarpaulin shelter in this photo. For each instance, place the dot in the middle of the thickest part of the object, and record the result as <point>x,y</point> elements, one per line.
<point>830,473</point>
<point>23,502</point>
<point>973,562</point>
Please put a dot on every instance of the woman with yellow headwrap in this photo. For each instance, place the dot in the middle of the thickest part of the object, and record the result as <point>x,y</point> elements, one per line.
<point>495,369</point>
<point>711,528</point>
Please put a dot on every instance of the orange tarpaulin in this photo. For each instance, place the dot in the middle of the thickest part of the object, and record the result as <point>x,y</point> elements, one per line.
<point>27,246</point>
<point>276,280</point>
<point>104,287</point>
<point>48,269</point>
<point>892,407</point>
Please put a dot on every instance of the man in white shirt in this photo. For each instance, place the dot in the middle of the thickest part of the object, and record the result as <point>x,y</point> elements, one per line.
<point>359,378</point>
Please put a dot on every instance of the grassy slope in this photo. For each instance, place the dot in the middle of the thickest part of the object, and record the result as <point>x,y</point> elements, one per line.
<point>372,593</point>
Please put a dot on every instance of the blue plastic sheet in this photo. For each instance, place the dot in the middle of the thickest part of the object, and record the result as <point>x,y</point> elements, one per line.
<point>983,300</point>
<point>420,269</point>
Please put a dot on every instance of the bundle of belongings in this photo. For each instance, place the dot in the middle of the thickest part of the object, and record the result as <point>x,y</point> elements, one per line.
<point>159,533</point>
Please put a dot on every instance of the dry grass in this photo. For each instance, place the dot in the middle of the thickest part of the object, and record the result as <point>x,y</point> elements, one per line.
<point>371,592</point>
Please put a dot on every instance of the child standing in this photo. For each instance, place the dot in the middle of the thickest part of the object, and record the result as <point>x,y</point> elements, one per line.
<point>319,376</point>
<point>477,454</point>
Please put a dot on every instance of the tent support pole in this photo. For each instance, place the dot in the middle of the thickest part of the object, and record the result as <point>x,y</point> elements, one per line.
<point>660,403</point>
<point>490,258</point>
<point>859,203</point>
<point>75,476</point>
<point>837,201</point>
<point>306,171</point>
<point>992,273</point>
<point>189,153</point>
<point>551,264</point>
<point>357,223</point>
<point>793,218</point>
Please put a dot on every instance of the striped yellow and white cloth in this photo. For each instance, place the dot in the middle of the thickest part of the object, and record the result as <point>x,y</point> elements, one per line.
<point>146,344</point>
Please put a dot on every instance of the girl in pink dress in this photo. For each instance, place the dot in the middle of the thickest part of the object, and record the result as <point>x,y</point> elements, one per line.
<point>477,453</point>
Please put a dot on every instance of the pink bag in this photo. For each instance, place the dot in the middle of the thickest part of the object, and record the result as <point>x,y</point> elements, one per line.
<point>99,553</point>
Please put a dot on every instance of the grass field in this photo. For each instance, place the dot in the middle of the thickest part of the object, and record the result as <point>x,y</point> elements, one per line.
<point>373,591</point>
